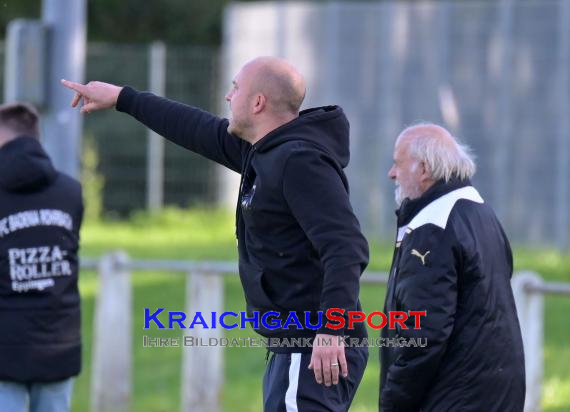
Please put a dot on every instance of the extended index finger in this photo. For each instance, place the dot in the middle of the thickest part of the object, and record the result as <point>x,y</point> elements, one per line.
<point>78,87</point>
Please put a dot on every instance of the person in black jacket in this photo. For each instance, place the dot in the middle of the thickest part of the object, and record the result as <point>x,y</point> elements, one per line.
<point>300,245</point>
<point>453,260</point>
<point>40,215</point>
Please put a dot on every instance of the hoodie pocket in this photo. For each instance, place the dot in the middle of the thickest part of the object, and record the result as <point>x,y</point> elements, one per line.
<point>256,295</point>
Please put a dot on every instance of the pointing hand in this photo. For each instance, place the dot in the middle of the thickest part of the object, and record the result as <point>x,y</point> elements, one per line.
<point>95,95</point>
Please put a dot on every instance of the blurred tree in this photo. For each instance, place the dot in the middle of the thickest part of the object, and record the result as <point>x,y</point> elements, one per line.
<point>173,21</point>
<point>196,22</point>
<point>12,9</point>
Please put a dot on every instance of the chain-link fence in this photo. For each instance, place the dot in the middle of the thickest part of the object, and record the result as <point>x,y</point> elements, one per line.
<point>191,76</point>
<point>496,73</point>
<point>121,142</point>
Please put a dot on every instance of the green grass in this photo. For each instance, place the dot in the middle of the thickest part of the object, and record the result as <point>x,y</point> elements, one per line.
<point>208,235</point>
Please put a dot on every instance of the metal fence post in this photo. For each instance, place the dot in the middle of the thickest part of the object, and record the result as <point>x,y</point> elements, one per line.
<point>62,126</point>
<point>111,379</point>
<point>155,150</point>
<point>562,193</point>
<point>202,372</point>
<point>530,310</point>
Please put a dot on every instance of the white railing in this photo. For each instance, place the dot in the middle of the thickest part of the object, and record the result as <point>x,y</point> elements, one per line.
<point>529,290</point>
<point>111,381</point>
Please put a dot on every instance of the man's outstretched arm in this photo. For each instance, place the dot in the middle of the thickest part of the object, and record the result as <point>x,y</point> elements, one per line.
<point>189,127</point>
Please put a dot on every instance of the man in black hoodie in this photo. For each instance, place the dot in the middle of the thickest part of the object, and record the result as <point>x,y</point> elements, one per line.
<point>301,251</point>
<point>453,260</point>
<point>40,215</point>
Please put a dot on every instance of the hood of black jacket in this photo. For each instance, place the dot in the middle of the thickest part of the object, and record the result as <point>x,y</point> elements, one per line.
<point>25,166</point>
<point>326,127</point>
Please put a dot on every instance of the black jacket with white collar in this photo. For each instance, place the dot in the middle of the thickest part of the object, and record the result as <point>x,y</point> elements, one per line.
<point>453,260</point>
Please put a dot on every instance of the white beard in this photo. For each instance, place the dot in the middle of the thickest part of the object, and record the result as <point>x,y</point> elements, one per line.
<point>398,195</point>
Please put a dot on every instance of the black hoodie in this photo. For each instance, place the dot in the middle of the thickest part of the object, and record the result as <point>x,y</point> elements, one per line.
<point>299,242</point>
<point>40,215</point>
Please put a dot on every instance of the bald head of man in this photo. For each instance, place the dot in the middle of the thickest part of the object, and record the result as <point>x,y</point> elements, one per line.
<point>424,154</point>
<point>265,94</point>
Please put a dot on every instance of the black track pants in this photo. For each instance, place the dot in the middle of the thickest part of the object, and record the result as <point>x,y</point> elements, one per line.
<point>289,386</point>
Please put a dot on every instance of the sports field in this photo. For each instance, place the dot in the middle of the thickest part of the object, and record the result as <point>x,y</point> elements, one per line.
<point>208,235</point>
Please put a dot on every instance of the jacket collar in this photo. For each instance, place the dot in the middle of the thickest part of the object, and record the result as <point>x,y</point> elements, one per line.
<point>411,207</point>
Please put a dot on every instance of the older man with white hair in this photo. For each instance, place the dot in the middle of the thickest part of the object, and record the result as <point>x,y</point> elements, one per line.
<point>453,260</point>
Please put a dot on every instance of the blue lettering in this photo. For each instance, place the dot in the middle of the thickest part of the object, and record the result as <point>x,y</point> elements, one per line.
<point>198,320</point>
<point>244,319</point>
<point>222,317</point>
<point>271,324</point>
<point>308,320</point>
<point>180,317</point>
<point>292,319</point>
<point>148,318</point>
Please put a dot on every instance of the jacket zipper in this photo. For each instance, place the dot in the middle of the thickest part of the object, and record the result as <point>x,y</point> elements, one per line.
<point>248,158</point>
